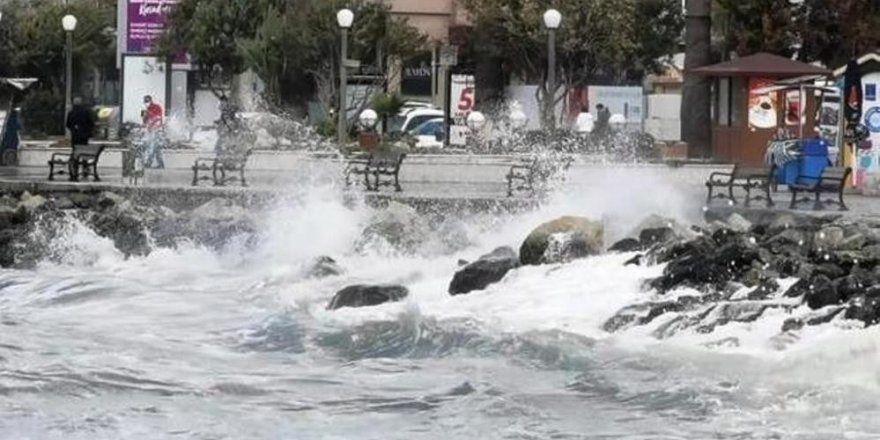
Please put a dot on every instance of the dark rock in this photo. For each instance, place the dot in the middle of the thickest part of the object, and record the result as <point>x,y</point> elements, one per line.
<point>798,289</point>
<point>821,293</point>
<point>854,284</point>
<point>634,261</point>
<point>488,269</point>
<point>62,202</point>
<point>126,229</point>
<point>462,263</point>
<point>829,270</point>
<point>83,200</point>
<point>865,306</point>
<point>652,236</point>
<point>829,238</point>
<point>792,324</point>
<point>767,287</point>
<point>324,267</point>
<point>562,240</point>
<point>626,245</point>
<point>367,296</point>
<point>824,316</point>
<point>7,217</point>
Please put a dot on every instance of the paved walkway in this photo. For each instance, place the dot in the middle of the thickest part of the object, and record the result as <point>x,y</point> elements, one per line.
<point>658,183</point>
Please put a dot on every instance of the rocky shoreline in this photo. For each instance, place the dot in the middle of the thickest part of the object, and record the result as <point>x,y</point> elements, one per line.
<point>815,269</point>
<point>32,223</point>
<point>729,271</point>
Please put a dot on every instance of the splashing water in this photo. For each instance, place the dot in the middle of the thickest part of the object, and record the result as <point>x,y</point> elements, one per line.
<point>194,343</point>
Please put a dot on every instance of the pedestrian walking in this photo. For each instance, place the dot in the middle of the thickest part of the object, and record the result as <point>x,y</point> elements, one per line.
<point>603,119</point>
<point>154,125</point>
<point>11,138</point>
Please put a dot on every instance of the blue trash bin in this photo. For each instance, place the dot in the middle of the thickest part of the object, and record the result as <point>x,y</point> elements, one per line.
<point>813,160</point>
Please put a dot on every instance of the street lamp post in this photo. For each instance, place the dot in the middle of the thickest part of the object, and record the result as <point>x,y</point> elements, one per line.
<point>344,18</point>
<point>69,25</point>
<point>552,20</point>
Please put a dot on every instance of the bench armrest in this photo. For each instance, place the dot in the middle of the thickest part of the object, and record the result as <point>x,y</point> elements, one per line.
<point>717,176</point>
<point>55,156</point>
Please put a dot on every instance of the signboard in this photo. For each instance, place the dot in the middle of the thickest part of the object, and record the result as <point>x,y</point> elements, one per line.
<point>146,23</point>
<point>417,77</point>
<point>462,94</point>
<point>794,114</point>
<point>142,75</point>
<point>763,108</point>
<point>448,56</point>
<point>627,101</point>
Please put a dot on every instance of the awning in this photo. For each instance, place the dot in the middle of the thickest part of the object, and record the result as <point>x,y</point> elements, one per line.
<point>19,83</point>
<point>764,65</point>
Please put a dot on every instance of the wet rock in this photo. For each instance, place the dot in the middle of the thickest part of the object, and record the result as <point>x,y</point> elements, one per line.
<point>865,306</point>
<point>127,231</point>
<point>854,284</point>
<point>626,245</point>
<point>708,265</point>
<point>738,223</point>
<point>324,267</point>
<point>82,200</point>
<point>792,324</point>
<point>487,270</point>
<point>767,287</point>
<point>62,202</point>
<point>634,261</point>
<point>367,296</point>
<point>821,292</point>
<point>562,240</point>
<point>110,200</point>
<point>30,202</point>
<point>8,217</point>
<point>828,238</point>
<point>651,236</point>
<point>397,225</point>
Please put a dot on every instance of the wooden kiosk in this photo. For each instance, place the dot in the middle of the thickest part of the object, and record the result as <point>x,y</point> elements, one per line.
<point>745,118</point>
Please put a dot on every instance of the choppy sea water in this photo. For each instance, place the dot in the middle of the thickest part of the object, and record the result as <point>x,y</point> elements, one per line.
<point>198,344</point>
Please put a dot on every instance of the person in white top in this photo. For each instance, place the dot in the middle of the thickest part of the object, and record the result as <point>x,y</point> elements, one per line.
<point>584,123</point>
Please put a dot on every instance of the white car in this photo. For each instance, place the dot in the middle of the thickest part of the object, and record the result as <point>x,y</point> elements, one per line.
<point>410,119</point>
<point>430,134</point>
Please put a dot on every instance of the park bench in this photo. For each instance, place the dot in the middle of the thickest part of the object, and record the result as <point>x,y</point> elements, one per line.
<point>525,173</point>
<point>382,166</point>
<point>80,162</point>
<point>223,168</point>
<point>746,178</point>
<point>832,180</point>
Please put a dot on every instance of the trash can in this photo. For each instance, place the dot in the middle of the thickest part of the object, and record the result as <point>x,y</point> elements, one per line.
<point>813,160</point>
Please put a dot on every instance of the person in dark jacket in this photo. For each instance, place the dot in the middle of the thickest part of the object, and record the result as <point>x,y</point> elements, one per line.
<point>11,136</point>
<point>81,123</point>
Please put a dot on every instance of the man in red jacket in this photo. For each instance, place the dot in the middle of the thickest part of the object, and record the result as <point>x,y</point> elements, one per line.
<point>153,117</point>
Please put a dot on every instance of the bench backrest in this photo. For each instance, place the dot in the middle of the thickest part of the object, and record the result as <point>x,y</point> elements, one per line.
<point>91,150</point>
<point>743,172</point>
<point>836,173</point>
<point>387,159</point>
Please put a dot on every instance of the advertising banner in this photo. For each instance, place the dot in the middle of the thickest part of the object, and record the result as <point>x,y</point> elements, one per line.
<point>461,103</point>
<point>146,23</point>
<point>763,108</point>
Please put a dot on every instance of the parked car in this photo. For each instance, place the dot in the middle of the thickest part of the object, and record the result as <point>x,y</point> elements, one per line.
<point>430,134</point>
<point>410,119</point>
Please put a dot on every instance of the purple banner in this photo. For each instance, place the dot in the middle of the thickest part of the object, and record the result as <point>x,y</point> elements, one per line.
<point>146,22</point>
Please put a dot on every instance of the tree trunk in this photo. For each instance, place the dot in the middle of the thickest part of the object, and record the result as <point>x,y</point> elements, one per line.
<point>696,120</point>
